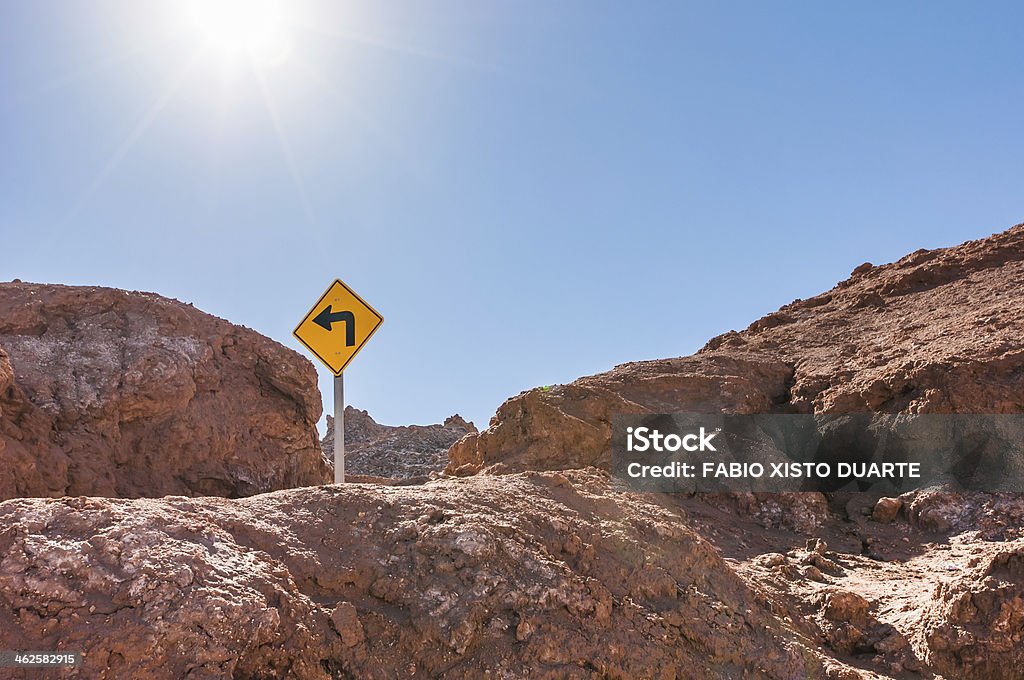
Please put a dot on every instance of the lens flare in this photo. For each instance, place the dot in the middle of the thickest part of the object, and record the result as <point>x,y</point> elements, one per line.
<point>254,28</point>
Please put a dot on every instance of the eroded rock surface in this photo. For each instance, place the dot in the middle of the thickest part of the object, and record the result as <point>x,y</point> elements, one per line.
<point>888,599</point>
<point>112,393</point>
<point>976,623</point>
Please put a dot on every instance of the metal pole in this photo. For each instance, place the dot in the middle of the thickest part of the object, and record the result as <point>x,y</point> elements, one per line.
<point>339,429</point>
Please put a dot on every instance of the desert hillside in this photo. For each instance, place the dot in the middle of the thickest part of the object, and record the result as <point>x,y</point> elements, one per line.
<point>936,332</point>
<point>524,560</point>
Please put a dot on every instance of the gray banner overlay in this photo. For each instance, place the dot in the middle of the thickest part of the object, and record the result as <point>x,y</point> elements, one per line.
<point>874,452</point>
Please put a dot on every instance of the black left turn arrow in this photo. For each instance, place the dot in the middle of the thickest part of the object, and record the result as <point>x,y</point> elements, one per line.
<point>325,318</point>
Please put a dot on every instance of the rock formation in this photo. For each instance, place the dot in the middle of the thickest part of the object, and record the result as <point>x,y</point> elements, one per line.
<point>112,393</point>
<point>558,573</point>
<point>401,453</point>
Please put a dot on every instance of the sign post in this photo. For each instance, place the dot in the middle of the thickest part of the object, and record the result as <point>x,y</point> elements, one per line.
<point>339,429</point>
<point>334,330</point>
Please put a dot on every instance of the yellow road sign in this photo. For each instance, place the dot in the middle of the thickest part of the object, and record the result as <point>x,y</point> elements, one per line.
<point>338,326</point>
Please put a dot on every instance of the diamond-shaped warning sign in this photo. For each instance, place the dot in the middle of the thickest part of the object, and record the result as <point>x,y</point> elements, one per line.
<point>338,326</point>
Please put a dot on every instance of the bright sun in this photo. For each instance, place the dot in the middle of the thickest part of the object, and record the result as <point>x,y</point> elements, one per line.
<point>254,28</point>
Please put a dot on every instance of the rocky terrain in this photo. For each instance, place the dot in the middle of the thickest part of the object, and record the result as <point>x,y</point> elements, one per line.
<point>112,393</point>
<point>527,561</point>
<point>405,453</point>
<point>539,575</point>
<point>548,575</point>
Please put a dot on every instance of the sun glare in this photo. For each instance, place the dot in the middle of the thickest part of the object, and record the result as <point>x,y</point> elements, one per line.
<point>254,28</point>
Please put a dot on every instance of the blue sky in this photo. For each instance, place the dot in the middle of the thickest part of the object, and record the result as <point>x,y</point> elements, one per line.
<point>527,191</point>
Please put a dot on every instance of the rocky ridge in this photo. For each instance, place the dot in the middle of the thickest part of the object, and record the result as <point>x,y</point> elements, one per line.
<point>113,393</point>
<point>936,332</point>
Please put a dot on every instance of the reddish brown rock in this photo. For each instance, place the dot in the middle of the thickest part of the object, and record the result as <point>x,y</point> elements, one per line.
<point>33,464</point>
<point>568,426</point>
<point>975,627</point>
<point>113,393</point>
<point>995,516</point>
<point>886,510</point>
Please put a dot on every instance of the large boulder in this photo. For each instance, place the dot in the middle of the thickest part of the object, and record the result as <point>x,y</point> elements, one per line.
<point>112,393</point>
<point>569,426</point>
